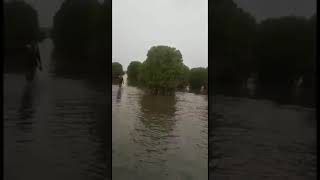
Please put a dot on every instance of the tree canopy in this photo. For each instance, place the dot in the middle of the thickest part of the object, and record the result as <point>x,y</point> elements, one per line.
<point>232,34</point>
<point>117,69</point>
<point>284,50</point>
<point>21,24</point>
<point>278,49</point>
<point>81,25</point>
<point>198,77</point>
<point>162,69</point>
<point>133,71</point>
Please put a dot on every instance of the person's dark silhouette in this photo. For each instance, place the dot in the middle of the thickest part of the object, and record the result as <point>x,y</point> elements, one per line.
<point>33,60</point>
<point>121,81</point>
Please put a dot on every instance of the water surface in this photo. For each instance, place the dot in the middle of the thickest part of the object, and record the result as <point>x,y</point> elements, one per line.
<point>54,127</point>
<point>261,139</point>
<point>159,137</point>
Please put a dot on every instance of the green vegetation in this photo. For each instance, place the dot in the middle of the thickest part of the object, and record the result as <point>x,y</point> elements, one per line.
<point>163,72</point>
<point>83,27</point>
<point>20,24</point>
<point>117,69</point>
<point>284,50</point>
<point>279,50</point>
<point>81,34</point>
<point>232,36</point>
<point>133,72</point>
<point>198,77</point>
<point>184,78</point>
<point>162,69</point>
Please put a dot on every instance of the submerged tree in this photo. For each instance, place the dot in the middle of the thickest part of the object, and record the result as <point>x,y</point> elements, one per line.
<point>133,71</point>
<point>75,24</point>
<point>117,69</point>
<point>284,50</point>
<point>184,77</point>
<point>198,77</point>
<point>162,69</point>
<point>232,35</point>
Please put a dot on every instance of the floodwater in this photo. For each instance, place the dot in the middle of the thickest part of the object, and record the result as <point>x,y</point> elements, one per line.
<point>261,139</point>
<point>159,137</point>
<point>54,127</point>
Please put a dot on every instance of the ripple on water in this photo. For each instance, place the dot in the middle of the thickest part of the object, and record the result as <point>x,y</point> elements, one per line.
<point>261,139</point>
<point>163,137</point>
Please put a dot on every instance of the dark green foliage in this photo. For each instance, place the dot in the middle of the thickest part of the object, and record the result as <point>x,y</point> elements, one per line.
<point>81,25</point>
<point>162,69</point>
<point>117,69</point>
<point>133,71</point>
<point>184,77</point>
<point>232,36</point>
<point>279,50</point>
<point>20,24</point>
<point>198,77</point>
<point>284,50</point>
<point>82,30</point>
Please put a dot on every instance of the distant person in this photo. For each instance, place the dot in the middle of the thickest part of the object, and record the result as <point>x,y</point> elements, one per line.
<point>121,81</point>
<point>36,55</point>
<point>33,60</point>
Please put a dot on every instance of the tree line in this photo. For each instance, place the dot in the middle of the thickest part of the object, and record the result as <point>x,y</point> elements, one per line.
<point>163,72</point>
<point>277,50</point>
<point>82,35</point>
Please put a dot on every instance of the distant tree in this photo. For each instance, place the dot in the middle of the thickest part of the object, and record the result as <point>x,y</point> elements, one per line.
<point>74,24</point>
<point>198,77</point>
<point>184,77</point>
<point>21,24</point>
<point>162,69</point>
<point>133,71</point>
<point>82,29</point>
<point>117,69</point>
<point>284,50</point>
<point>232,35</point>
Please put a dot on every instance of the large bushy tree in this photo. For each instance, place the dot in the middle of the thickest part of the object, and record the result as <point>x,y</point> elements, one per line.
<point>117,69</point>
<point>232,33</point>
<point>162,69</point>
<point>198,77</point>
<point>133,71</point>
<point>284,50</point>
<point>76,24</point>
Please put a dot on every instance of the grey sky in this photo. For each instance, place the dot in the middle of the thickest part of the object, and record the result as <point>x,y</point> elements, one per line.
<point>46,10</point>
<point>140,24</point>
<point>262,9</point>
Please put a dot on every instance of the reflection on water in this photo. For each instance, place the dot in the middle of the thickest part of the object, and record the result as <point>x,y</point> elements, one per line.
<point>54,127</point>
<point>261,139</point>
<point>163,137</point>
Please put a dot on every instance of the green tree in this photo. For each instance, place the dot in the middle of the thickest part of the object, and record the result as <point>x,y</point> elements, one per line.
<point>162,69</point>
<point>21,24</point>
<point>133,71</point>
<point>232,35</point>
<point>184,77</point>
<point>198,77</point>
<point>117,69</point>
<point>75,25</point>
<point>284,50</point>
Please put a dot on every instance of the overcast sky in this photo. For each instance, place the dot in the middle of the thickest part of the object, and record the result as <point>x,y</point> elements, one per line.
<point>263,9</point>
<point>140,24</point>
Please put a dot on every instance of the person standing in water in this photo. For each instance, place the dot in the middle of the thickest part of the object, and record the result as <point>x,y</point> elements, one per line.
<point>33,60</point>
<point>121,81</point>
<point>36,55</point>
